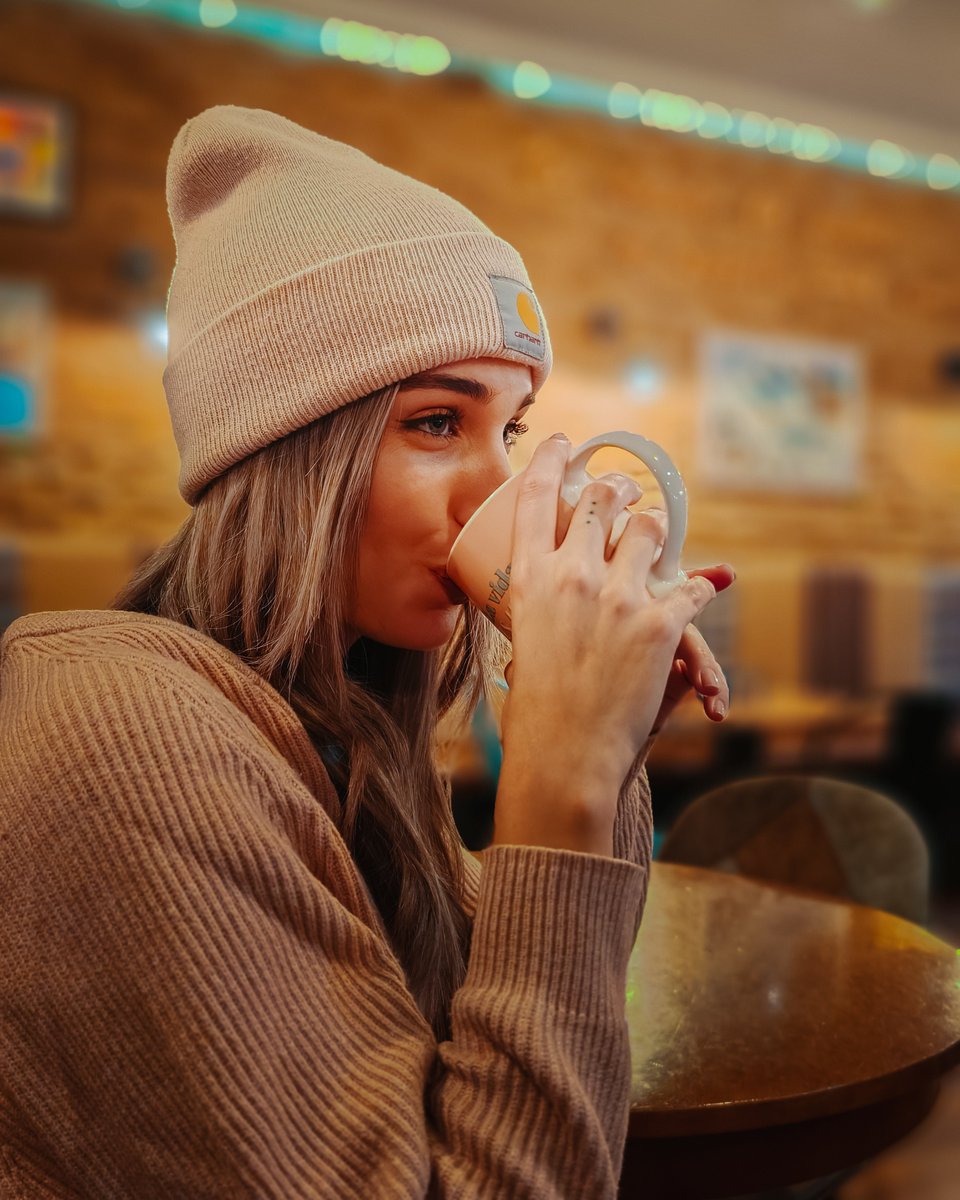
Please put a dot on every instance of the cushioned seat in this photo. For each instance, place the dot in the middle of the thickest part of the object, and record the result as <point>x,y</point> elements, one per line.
<point>824,834</point>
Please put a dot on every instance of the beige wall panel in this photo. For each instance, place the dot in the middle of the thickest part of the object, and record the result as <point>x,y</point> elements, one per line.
<point>896,627</point>
<point>769,624</point>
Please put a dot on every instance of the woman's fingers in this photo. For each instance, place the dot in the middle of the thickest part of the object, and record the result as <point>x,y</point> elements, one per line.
<point>685,601</point>
<point>721,575</point>
<point>704,673</point>
<point>535,522</point>
<point>702,668</point>
<point>638,545</point>
<point>600,503</point>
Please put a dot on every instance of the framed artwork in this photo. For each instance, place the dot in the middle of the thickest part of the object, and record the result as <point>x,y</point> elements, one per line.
<point>35,148</point>
<point>24,352</point>
<point>780,414</point>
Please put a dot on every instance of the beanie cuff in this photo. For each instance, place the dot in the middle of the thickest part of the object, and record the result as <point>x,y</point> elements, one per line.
<point>323,338</point>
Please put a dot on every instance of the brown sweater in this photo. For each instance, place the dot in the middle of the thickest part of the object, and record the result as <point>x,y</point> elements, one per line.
<point>197,995</point>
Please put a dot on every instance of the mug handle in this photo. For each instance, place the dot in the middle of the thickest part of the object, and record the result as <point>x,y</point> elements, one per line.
<point>665,572</point>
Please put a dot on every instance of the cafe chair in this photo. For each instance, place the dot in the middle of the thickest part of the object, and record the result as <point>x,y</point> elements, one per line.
<point>812,832</point>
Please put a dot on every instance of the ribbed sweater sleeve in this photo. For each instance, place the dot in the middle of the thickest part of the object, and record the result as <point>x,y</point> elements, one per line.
<point>197,1000</point>
<point>633,827</point>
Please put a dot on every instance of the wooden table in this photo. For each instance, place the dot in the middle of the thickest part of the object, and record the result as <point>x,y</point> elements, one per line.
<point>776,1035</point>
<point>793,724</point>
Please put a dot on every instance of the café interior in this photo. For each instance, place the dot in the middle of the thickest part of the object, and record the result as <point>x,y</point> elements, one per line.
<point>743,231</point>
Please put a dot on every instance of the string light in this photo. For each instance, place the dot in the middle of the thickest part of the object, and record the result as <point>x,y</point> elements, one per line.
<point>368,45</point>
<point>886,159</point>
<point>754,129</point>
<point>943,171</point>
<point>667,110</point>
<point>716,121</point>
<point>624,101</point>
<point>780,135</point>
<point>530,80</point>
<point>214,14</point>
<point>354,42</point>
<point>815,143</point>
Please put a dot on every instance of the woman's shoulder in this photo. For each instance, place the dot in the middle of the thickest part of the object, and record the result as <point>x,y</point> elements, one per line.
<point>101,634</point>
<point>150,714</point>
<point>112,671</point>
<point>82,660</point>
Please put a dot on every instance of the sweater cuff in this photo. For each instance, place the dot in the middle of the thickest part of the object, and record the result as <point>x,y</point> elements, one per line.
<point>558,923</point>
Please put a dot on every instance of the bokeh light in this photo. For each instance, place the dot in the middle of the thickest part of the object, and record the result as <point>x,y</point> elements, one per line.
<point>624,101</point>
<point>715,120</point>
<point>754,129</point>
<point>530,80</point>
<point>943,171</point>
<point>885,158</point>
<point>214,14</point>
<point>668,110</point>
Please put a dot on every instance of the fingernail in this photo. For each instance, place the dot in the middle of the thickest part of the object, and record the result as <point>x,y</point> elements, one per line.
<point>719,708</point>
<point>559,437</point>
<point>709,679</point>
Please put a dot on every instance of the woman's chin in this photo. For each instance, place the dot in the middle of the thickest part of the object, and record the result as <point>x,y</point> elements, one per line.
<point>431,631</point>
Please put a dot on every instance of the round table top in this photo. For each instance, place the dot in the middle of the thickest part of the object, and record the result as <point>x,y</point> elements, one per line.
<point>751,1005</point>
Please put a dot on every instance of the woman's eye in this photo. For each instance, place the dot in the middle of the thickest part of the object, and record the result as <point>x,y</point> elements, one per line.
<point>440,424</point>
<point>514,432</point>
<point>446,424</point>
<point>436,422</point>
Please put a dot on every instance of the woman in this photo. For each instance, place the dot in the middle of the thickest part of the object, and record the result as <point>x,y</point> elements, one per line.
<point>244,951</point>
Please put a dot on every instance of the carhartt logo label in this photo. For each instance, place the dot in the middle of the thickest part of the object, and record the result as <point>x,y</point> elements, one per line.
<point>520,317</point>
<point>527,313</point>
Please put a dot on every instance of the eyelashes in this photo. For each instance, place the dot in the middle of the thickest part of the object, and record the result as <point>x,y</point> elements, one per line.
<point>454,417</point>
<point>514,432</point>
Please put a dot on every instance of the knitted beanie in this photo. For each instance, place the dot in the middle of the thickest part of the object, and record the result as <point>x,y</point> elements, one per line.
<point>307,276</point>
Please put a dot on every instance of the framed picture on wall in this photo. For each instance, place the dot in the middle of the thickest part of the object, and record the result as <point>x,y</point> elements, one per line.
<point>35,151</point>
<point>24,354</point>
<point>780,414</point>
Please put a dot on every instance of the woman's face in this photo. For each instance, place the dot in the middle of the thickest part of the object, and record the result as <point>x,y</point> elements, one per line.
<point>444,450</point>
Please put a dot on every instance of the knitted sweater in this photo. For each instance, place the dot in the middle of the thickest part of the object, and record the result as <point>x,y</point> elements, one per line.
<point>197,994</point>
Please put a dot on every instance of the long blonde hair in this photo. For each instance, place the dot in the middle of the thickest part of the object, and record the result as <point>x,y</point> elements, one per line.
<point>266,564</point>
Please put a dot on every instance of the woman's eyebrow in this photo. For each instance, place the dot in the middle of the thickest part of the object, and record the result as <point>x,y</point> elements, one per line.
<point>460,384</point>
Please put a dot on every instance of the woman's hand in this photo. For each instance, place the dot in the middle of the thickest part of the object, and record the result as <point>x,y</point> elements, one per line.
<point>695,669</point>
<point>694,666</point>
<point>593,652</point>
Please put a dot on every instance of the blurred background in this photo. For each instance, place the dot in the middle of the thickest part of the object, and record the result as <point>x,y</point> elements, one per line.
<point>742,222</point>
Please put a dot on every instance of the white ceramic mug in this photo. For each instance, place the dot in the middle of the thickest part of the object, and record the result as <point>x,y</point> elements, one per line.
<point>480,559</point>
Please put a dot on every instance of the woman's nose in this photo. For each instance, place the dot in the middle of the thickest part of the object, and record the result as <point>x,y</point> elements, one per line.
<point>481,481</point>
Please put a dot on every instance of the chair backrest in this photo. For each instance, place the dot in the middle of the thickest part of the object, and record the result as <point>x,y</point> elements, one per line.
<point>809,831</point>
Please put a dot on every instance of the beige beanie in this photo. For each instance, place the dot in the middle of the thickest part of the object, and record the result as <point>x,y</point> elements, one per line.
<point>309,275</point>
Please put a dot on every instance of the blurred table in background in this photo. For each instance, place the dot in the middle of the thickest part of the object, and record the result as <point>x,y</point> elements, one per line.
<point>776,1035</point>
<point>791,727</point>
